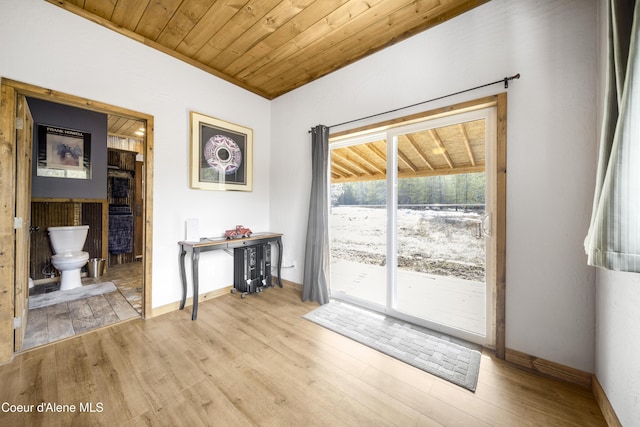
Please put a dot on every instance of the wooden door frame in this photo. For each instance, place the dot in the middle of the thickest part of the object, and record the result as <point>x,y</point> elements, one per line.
<point>24,150</point>
<point>9,90</point>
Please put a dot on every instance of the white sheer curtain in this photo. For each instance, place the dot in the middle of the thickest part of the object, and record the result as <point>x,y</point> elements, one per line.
<point>315,284</point>
<point>613,240</point>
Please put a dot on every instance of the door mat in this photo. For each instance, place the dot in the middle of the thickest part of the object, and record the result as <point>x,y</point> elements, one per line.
<point>57,297</point>
<point>449,358</point>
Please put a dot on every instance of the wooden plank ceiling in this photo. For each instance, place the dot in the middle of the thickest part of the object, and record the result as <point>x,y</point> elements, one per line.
<point>269,47</point>
<point>454,149</point>
<point>125,127</point>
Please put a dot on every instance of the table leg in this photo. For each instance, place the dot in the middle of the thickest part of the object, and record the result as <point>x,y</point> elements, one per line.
<point>195,257</point>
<point>279,244</point>
<point>183,276</point>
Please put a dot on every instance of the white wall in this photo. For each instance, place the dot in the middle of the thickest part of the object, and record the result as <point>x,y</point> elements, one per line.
<point>617,343</point>
<point>46,46</point>
<point>617,306</point>
<point>551,154</point>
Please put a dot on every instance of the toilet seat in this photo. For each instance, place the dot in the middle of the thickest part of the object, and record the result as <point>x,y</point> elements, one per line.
<point>70,256</point>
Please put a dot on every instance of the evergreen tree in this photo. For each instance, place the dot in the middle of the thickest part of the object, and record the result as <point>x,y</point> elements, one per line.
<point>442,189</point>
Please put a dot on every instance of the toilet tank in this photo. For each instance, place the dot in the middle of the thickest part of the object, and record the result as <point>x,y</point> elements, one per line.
<point>69,238</point>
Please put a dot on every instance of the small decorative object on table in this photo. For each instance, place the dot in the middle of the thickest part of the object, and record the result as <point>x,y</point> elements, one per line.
<point>237,233</point>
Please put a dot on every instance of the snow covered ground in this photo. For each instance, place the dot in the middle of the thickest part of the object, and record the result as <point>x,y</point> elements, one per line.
<point>445,243</point>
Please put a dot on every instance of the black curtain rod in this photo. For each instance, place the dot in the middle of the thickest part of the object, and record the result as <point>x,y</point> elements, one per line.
<point>506,81</point>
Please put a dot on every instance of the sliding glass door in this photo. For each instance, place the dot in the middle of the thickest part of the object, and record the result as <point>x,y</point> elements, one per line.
<point>441,236</point>
<point>358,223</point>
<point>411,223</point>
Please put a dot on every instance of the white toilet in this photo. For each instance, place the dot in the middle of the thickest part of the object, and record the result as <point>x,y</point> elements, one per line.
<point>68,258</point>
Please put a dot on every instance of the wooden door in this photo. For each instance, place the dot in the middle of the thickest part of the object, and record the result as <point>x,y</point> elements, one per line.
<point>24,135</point>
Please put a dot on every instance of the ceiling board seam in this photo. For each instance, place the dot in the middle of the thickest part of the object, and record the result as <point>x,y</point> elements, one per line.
<point>234,26</point>
<point>295,23</point>
<point>252,40</point>
<point>173,15</point>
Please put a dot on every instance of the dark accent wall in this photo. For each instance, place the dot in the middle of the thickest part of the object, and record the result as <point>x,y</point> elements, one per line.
<point>50,113</point>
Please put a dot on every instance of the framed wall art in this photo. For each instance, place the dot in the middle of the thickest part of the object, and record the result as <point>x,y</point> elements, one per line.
<point>63,153</point>
<point>221,154</point>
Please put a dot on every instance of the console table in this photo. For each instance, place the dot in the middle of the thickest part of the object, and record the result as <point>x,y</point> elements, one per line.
<point>212,244</point>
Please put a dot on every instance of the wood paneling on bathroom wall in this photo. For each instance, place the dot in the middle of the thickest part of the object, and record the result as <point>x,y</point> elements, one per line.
<point>95,214</point>
<point>44,215</point>
<point>117,259</point>
<point>55,213</point>
<point>121,159</point>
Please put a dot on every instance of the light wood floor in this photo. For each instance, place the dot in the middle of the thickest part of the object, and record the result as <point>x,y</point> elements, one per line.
<point>255,361</point>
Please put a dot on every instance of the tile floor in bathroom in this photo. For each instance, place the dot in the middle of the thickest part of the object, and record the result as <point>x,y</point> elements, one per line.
<point>55,322</point>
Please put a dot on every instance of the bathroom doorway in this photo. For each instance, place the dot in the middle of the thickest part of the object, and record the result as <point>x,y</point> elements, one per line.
<point>142,207</point>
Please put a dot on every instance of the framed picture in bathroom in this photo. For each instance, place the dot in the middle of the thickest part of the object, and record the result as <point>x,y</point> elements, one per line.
<point>63,153</point>
<point>221,154</point>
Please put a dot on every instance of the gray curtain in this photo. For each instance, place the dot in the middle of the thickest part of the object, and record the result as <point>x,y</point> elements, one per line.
<point>613,240</point>
<point>316,258</point>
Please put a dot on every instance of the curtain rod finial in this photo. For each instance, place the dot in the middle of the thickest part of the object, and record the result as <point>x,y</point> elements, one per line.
<point>506,80</point>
